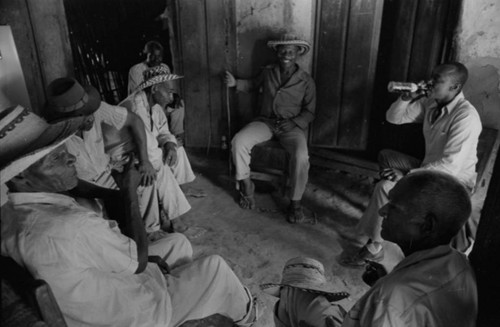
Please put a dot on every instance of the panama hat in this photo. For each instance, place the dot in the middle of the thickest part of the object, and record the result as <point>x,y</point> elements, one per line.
<point>306,274</point>
<point>289,39</point>
<point>25,138</point>
<point>67,98</point>
<point>156,75</point>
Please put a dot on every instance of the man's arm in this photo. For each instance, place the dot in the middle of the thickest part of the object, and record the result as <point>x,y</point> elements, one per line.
<point>166,140</point>
<point>133,226</point>
<point>134,78</point>
<point>404,111</point>
<point>138,132</point>
<point>306,115</point>
<point>244,85</point>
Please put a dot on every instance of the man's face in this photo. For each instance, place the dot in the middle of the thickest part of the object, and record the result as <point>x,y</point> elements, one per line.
<point>443,84</point>
<point>287,55</point>
<point>55,172</point>
<point>403,216</point>
<point>154,58</point>
<point>163,94</point>
<point>87,123</point>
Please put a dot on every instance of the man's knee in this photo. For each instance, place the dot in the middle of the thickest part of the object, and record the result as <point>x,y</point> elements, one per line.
<point>384,186</point>
<point>301,157</point>
<point>183,244</point>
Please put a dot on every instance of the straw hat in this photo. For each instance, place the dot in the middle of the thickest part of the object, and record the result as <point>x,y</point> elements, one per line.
<point>25,138</point>
<point>306,274</point>
<point>156,75</point>
<point>289,39</point>
<point>67,98</point>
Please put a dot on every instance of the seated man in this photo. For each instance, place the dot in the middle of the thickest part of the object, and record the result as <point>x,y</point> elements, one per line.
<point>451,127</point>
<point>434,285</point>
<point>151,97</point>
<point>100,272</point>
<point>66,99</point>
<point>175,111</point>
<point>288,105</point>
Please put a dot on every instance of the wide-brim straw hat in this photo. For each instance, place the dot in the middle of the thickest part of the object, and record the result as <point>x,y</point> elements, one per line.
<point>25,138</point>
<point>68,98</point>
<point>156,75</point>
<point>289,39</point>
<point>306,274</point>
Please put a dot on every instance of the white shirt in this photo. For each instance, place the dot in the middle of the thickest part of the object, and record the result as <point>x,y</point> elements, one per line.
<point>156,124</point>
<point>451,142</point>
<point>87,262</point>
<point>91,158</point>
<point>432,288</point>
<point>136,77</point>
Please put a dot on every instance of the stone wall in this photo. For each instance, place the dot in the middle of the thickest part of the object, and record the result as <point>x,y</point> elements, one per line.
<point>478,47</point>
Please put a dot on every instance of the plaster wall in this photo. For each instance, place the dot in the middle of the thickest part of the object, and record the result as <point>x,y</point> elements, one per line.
<point>478,47</point>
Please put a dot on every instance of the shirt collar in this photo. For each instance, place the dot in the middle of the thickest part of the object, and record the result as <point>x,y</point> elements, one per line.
<point>414,258</point>
<point>299,73</point>
<point>453,104</point>
<point>20,198</point>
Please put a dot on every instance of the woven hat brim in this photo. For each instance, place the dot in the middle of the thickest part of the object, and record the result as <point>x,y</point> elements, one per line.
<point>88,109</point>
<point>303,46</point>
<point>50,139</point>
<point>157,80</point>
<point>274,290</point>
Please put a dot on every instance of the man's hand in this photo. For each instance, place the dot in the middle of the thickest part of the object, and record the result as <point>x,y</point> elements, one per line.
<point>392,174</point>
<point>148,173</point>
<point>170,154</point>
<point>165,269</point>
<point>229,79</point>
<point>373,272</point>
<point>285,126</point>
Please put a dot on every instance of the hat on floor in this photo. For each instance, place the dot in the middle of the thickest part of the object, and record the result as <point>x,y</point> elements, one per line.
<point>306,274</point>
<point>156,75</point>
<point>67,98</point>
<point>289,39</point>
<point>25,138</point>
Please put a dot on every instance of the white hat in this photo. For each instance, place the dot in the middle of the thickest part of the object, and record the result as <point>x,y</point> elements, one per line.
<point>306,274</point>
<point>156,75</point>
<point>25,138</point>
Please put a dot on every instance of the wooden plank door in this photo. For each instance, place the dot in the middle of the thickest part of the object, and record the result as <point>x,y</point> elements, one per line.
<point>347,35</point>
<point>207,47</point>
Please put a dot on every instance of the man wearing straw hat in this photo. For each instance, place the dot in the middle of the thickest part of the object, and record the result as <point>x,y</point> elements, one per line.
<point>175,111</point>
<point>67,98</point>
<point>101,273</point>
<point>288,106</point>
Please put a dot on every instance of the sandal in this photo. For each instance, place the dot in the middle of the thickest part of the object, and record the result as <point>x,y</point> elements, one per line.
<point>296,215</point>
<point>247,201</point>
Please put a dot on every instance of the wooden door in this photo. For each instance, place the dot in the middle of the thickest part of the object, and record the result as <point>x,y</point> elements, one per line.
<point>347,35</point>
<point>207,48</point>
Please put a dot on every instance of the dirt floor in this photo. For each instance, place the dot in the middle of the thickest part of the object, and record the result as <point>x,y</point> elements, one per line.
<point>257,243</point>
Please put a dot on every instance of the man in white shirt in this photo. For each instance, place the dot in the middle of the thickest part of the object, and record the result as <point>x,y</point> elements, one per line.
<point>451,128</point>
<point>102,272</point>
<point>175,111</point>
<point>67,98</point>
<point>434,285</point>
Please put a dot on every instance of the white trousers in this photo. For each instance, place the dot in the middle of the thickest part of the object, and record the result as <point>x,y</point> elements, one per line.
<point>294,142</point>
<point>206,287</point>
<point>182,169</point>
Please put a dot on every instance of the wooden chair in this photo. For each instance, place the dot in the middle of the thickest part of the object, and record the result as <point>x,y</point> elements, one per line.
<point>25,300</point>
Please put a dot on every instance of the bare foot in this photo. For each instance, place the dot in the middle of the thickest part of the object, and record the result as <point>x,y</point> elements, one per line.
<point>193,192</point>
<point>247,189</point>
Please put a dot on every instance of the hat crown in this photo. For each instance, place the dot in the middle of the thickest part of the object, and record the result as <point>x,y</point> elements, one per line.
<point>156,75</point>
<point>303,271</point>
<point>65,93</point>
<point>19,128</point>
